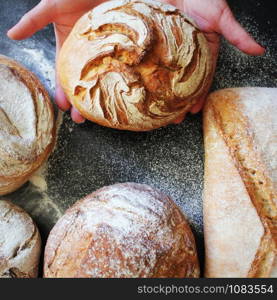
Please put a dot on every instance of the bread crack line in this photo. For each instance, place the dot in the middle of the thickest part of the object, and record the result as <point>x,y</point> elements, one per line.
<point>6,125</point>
<point>248,165</point>
<point>117,58</point>
<point>140,66</point>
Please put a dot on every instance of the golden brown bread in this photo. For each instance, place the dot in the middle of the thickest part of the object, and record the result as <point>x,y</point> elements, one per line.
<point>134,65</point>
<point>240,189</point>
<point>123,230</point>
<point>19,243</point>
<point>26,125</point>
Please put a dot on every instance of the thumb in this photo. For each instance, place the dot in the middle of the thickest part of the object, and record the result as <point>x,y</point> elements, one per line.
<point>230,28</point>
<point>37,18</point>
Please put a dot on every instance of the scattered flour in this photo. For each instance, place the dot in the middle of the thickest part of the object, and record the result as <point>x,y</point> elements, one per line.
<point>43,64</point>
<point>39,181</point>
<point>237,69</point>
<point>39,177</point>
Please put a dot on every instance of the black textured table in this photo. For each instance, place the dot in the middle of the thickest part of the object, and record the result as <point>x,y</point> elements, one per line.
<point>89,156</point>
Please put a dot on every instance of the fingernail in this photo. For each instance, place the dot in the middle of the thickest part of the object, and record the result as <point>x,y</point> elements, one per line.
<point>8,33</point>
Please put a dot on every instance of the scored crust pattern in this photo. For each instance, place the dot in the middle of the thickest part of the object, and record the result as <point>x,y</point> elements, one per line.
<point>27,128</point>
<point>237,132</point>
<point>135,65</point>
<point>123,230</point>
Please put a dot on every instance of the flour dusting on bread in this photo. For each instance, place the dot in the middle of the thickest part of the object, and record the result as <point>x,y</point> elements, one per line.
<point>26,125</point>
<point>19,242</point>
<point>123,230</point>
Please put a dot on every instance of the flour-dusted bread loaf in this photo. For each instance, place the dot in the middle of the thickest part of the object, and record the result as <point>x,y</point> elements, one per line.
<point>123,230</point>
<point>19,243</point>
<point>240,194</point>
<point>26,125</point>
<point>135,65</point>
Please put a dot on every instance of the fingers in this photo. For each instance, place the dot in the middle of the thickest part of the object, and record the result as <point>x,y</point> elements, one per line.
<point>34,20</point>
<point>64,105</point>
<point>194,110</point>
<point>179,120</point>
<point>37,18</point>
<point>61,99</point>
<point>236,35</point>
<point>198,106</point>
<point>75,116</point>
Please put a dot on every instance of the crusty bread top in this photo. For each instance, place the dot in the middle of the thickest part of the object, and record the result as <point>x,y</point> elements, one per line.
<point>134,65</point>
<point>123,230</point>
<point>232,227</point>
<point>26,122</point>
<point>19,242</point>
<point>240,124</point>
<point>260,107</point>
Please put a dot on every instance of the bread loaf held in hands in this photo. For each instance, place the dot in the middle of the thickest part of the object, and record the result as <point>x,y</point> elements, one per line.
<point>134,65</point>
<point>240,189</point>
<point>124,230</point>
<point>26,125</point>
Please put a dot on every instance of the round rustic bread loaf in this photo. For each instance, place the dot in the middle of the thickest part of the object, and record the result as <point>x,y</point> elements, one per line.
<point>123,230</point>
<point>26,125</point>
<point>19,243</point>
<point>135,65</point>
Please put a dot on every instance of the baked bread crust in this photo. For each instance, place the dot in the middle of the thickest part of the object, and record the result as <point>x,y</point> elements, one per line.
<point>20,243</point>
<point>240,189</point>
<point>27,128</point>
<point>135,65</point>
<point>122,231</point>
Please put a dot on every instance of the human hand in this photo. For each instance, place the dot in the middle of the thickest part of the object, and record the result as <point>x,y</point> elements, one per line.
<point>64,14</point>
<point>213,17</point>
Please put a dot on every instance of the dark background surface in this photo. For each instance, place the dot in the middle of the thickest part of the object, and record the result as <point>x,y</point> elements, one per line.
<point>171,159</point>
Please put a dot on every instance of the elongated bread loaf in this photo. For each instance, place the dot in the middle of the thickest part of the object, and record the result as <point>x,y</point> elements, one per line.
<point>26,125</point>
<point>240,194</point>
<point>135,65</point>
